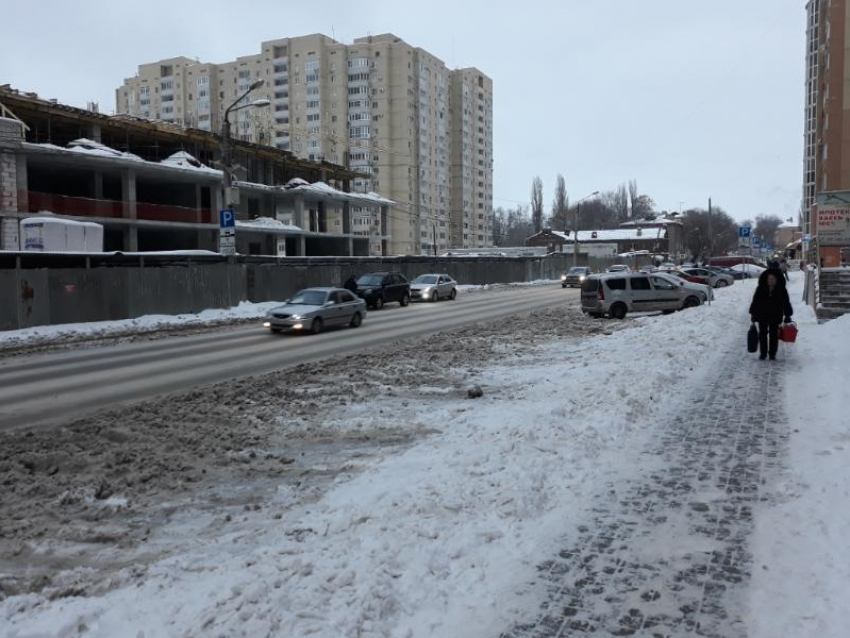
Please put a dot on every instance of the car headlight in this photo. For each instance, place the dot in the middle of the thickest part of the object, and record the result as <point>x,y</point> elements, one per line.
<point>563,277</point>
<point>581,278</point>
<point>427,292</point>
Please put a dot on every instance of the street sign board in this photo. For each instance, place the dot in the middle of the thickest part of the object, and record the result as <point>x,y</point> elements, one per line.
<point>744,232</point>
<point>833,219</point>
<point>756,242</point>
<point>227,218</point>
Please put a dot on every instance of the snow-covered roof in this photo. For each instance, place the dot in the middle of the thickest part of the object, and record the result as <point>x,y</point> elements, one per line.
<point>321,190</point>
<point>90,147</point>
<point>617,234</point>
<point>651,221</point>
<point>788,224</point>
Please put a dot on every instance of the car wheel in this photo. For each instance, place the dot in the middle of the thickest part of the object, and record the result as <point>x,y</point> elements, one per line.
<point>453,296</point>
<point>379,303</point>
<point>436,297</point>
<point>316,326</point>
<point>721,283</point>
<point>668,312</point>
<point>356,320</point>
<point>405,300</point>
<point>618,311</point>
<point>691,302</point>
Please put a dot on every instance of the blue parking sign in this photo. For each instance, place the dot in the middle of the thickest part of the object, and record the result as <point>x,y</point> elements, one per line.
<point>756,242</point>
<point>744,232</point>
<point>227,218</point>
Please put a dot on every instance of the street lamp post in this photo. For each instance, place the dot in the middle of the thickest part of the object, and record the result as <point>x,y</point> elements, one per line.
<point>575,231</point>
<point>226,148</point>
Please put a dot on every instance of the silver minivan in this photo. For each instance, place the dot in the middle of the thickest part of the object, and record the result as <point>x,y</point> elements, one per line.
<point>617,294</point>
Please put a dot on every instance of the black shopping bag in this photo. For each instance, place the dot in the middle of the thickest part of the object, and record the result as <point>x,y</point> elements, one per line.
<point>752,338</point>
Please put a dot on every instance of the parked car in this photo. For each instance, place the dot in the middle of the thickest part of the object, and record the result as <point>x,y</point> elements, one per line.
<point>314,309</point>
<point>713,278</point>
<point>648,269</point>
<point>705,292</point>
<point>433,288</point>
<point>618,294</point>
<point>618,268</point>
<point>575,276</point>
<point>723,271</point>
<point>688,277</point>
<point>381,288</point>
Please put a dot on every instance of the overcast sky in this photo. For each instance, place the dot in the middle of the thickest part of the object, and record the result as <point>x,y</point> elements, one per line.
<point>693,99</point>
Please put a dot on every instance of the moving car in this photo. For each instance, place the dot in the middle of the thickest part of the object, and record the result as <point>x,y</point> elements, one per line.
<point>618,268</point>
<point>712,277</point>
<point>433,288</point>
<point>575,276</point>
<point>314,309</point>
<point>380,288</point>
<point>705,292</point>
<point>618,294</point>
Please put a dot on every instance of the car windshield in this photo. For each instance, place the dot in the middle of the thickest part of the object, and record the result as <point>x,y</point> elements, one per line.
<point>370,280</point>
<point>309,298</point>
<point>425,279</point>
<point>577,271</point>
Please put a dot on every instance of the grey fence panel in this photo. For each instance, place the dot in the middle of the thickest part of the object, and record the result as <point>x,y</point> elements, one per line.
<point>9,300</point>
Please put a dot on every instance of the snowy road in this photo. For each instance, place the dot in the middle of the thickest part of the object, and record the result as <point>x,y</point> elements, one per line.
<point>68,384</point>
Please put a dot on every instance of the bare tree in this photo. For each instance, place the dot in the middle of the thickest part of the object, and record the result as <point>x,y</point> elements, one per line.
<point>642,205</point>
<point>537,204</point>
<point>709,234</point>
<point>511,227</point>
<point>560,205</point>
<point>766,227</point>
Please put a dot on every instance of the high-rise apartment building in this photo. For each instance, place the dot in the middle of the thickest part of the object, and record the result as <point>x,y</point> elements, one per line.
<point>420,133</point>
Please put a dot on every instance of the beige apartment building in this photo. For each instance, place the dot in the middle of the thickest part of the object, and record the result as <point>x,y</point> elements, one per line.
<point>422,133</point>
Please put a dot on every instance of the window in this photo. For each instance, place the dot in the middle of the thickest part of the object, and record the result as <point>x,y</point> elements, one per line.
<point>244,74</point>
<point>359,132</point>
<point>616,284</point>
<point>313,117</point>
<point>166,85</point>
<point>311,77</point>
<point>358,77</point>
<point>311,65</point>
<point>312,90</point>
<point>358,90</point>
<point>280,68</point>
<point>359,63</point>
<point>313,104</point>
<point>640,283</point>
<point>204,80</point>
<point>662,284</point>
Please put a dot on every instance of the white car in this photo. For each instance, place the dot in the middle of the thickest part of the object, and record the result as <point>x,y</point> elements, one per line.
<point>433,287</point>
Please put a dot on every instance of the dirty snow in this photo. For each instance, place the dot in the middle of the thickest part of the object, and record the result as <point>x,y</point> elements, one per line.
<point>430,512</point>
<point>146,324</point>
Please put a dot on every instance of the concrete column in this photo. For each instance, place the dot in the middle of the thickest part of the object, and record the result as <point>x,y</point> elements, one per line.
<point>22,182</point>
<point>298,206</point>
<point>346,218</point>
<point>302,245</point>
<point>8,181</point>
<point>128,202</point>
<point>350,246</point>
<point>198,200</point>
<point>94,132</point>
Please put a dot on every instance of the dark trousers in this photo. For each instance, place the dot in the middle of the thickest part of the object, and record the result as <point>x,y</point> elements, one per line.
<point>770,330</point>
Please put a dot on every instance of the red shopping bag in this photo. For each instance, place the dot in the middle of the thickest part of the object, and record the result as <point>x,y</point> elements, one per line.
<point>788,332</point>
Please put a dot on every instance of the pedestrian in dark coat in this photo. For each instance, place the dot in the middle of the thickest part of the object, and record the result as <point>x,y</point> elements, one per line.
<point>769,308</point>
<point>351,284</point>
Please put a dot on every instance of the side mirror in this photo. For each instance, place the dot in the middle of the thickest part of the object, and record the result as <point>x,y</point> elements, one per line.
<point>329,303</point>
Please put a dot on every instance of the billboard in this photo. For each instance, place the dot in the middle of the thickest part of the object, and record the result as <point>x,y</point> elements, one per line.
<point>833,219</point>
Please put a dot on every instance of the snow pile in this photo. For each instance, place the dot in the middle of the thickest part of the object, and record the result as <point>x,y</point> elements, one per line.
<point>266,223</point>
<point>435,541</point>
<point>182,159</point>
<point>90,147</point>
<point>42,335</point>
<point>801,576</point>
<point>479,287</point>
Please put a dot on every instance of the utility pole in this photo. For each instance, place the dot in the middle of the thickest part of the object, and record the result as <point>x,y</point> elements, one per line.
<point>434,226</point>
<point>710,231</point>
<point>575,235</point>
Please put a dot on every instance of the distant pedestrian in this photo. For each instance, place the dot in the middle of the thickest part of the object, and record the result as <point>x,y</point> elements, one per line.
<point>770,307</point>
<point>783,267</point>
<point>351,284</point>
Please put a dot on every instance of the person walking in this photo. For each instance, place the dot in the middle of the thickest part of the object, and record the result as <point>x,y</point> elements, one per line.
<point>783,266</point>
<point>351,284</point>
<point>770,306</point>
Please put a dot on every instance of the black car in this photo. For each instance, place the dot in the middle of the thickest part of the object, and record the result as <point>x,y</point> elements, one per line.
<point>575,276</point>
<point>379,288</point>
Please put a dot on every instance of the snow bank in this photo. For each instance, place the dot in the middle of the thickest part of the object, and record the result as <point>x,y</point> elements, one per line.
<point>147,323</point>
<point>801,579</point>
<point>439,540</point>
<point>478,287</point>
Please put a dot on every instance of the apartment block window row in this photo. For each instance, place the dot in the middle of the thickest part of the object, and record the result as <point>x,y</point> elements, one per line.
<point>280,68</point>
<point>359,63</point>
<point>361,116</point>
<point>313,117</point>
<point>166,85</point>
<point>313,104</point>
<point>358,77</point>
<point>311,65</point>
<point>311,78</point>
<point>358,90</point>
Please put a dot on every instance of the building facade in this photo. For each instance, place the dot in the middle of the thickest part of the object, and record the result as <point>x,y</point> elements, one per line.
<point>827,127</point>
<point>418,132</point>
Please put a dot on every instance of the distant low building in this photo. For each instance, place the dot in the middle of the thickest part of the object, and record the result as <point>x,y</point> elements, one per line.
<point>657,236</point>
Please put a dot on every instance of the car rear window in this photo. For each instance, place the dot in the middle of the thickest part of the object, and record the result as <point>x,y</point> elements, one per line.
<point>590,285</point>
<point>616,284</point>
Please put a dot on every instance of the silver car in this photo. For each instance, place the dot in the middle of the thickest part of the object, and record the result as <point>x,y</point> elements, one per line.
<point>433,287</point>
<point>617,294</point>
<point>314,309</point>
<point>716,279</point>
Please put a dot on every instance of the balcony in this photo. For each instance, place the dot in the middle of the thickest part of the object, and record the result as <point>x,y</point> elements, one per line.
<point>105,208</point>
